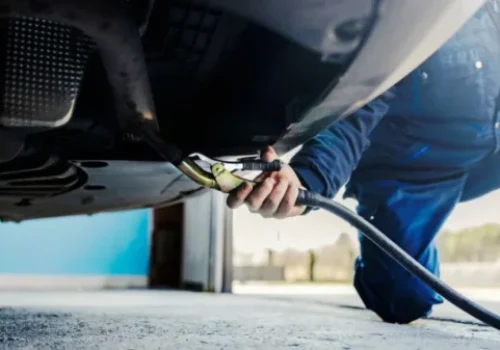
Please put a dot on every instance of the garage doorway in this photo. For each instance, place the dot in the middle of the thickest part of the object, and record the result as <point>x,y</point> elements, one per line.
<point>167,247</point>
<point>191,245</point>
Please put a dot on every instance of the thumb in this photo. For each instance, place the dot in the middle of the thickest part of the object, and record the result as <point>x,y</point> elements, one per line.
<point>269,154</point>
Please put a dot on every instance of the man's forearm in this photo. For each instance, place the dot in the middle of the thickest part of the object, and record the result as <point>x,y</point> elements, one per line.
<point>325,163</point>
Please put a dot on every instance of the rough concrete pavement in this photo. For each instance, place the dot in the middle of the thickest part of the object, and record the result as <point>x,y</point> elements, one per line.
<point>346,296</point>
<point>176,320</point>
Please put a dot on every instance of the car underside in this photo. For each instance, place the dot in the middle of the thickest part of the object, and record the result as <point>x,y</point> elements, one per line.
<point>221,77</point>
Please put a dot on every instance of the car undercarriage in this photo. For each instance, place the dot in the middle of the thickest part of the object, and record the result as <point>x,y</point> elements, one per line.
<point>222,77</point>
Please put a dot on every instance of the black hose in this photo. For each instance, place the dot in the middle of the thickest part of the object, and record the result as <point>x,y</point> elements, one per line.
<point>400,256</point>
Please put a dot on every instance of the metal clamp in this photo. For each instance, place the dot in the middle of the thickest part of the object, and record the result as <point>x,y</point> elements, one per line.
<point>207,172</point>
<point>219,175</point>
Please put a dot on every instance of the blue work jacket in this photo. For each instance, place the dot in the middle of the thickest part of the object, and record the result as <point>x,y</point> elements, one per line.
<point>435,124</point>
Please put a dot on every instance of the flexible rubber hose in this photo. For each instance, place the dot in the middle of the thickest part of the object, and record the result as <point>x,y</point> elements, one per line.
<point>400,256</point>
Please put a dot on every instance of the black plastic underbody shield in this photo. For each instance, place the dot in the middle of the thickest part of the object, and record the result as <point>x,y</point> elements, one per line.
<point>41,71</point>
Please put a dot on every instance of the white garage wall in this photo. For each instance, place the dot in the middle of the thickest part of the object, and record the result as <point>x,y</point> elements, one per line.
<point>205,230</point>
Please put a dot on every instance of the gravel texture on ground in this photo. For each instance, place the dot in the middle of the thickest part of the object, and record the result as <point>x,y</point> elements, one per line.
<point>177,320</point>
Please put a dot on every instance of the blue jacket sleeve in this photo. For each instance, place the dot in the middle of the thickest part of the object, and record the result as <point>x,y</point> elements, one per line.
<point>325,163</point>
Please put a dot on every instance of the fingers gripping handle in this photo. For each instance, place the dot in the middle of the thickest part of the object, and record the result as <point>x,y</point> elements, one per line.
<point>305,198</point>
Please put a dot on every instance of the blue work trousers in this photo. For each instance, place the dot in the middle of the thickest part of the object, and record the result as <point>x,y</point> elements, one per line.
<point>411,213</point>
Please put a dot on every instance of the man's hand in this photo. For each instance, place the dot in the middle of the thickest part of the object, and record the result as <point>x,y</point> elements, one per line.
<point>276,194</point>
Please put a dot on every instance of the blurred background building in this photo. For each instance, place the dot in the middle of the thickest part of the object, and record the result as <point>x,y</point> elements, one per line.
<point>322,249</point>
<point>201,245</point>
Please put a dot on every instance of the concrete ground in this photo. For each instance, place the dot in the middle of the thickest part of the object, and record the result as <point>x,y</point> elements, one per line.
<point>345,296</point>
<point>256,319</point>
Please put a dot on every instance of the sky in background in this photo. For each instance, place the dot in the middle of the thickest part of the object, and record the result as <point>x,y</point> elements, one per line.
<point>253,234</point>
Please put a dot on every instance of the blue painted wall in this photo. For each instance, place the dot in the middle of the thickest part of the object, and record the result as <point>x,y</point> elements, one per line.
<point>109,244</point>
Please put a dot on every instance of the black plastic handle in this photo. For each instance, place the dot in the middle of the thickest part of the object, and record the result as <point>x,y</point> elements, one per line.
<point>259,165</point>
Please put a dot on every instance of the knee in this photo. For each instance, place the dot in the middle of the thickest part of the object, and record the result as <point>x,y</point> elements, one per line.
<point>397,301</point>
<point>403,309</point>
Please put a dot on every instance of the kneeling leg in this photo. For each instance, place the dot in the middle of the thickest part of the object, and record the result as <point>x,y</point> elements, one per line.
<point>411,215</point>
